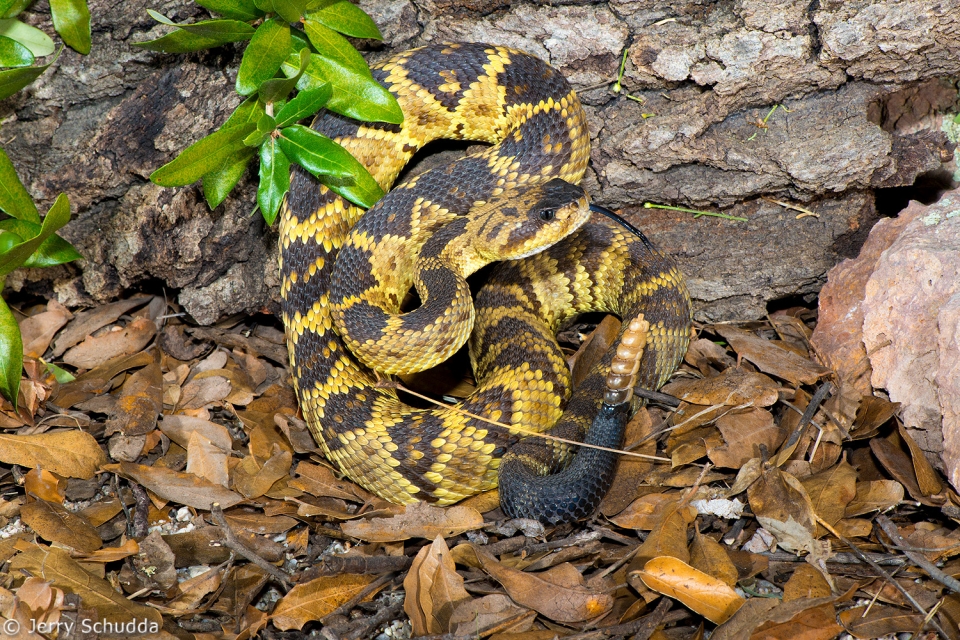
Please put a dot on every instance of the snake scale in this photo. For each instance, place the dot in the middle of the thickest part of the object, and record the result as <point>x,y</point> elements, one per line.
<point>538,134</point>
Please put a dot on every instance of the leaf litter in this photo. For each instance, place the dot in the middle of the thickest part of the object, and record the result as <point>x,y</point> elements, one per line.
<point>170,479</point>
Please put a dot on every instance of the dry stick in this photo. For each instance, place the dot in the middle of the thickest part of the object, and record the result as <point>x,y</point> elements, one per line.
<point>141,511</point>
<point>232,542</point>
<point>883,574</point>
<point>818,397</point>
<point>361,565</point>
<point>643,627</point>
<point>519,543</point>
<point>386,384</point>
<point>901,545</point>
<point>362,628</point>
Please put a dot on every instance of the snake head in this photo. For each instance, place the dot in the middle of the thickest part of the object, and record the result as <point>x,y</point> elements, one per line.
<point>522,222</point>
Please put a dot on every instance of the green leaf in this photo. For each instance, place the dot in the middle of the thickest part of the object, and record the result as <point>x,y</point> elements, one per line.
<point>71,19</point>
<point>203,156</point>
<point>179,41</point>
<point>347,18</point>
<point>57,216</point>
<point>278,89</point>
<point>330,162</point>
<point>250,110</point>
<point>14,198</point>
<point>235,9</point>
<point>218,184</point>
<point>12,80</point>
<point>60,375</point>
<point>268,48</point>
<point>13,7</point>
<point>11,354</point>
<point>290,10</point>
<point>358,96</point>
<point>305,104</point>
<point>222,30</point>
<point>274,179</point>
<point>332,45</point>
<point>32,38</point>
<point>51,252</point>
<point>8,241</point>
<point>14,54</point>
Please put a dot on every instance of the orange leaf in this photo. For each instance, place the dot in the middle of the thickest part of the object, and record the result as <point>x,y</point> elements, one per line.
<point>712,598</point>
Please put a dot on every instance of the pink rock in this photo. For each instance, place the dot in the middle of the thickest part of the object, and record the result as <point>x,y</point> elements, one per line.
<point>916,277</point>
<point>948,386</point>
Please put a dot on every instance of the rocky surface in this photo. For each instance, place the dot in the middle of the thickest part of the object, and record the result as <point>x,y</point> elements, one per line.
<point>889,319</point>
<point>859,86</point>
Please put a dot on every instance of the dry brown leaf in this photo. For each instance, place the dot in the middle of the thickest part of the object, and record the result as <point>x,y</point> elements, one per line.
<point>45,485</point>
<point>892,454</point>
<point>645,512</point>
<point>831,491</point>
<point>320,481</point>
<point>874,495</point>
<point>814,623</point>
<point>879,621</point>
<point>631,470</point>
<point>669,536</point>
<point>139,404</point>
<point>253,480</point>
<point>709,556</point>
<point>88,322</point>
<point>43,601</point>
<point>743,433</point>
<point>259,523</point>
<point>179,427</point>
<point>872,414</point>
<point>783,508</point>
<point>593,348</point>
<point>710,597</point>
<point>557,603</point>
<point>109,554</point>
<point>95,351</point>
<point>315,599</point>
<point>491,611</point>
<point>242,585</point>
<point>53,522</point>
<point>72,453</point>
<point>195,589</point>
<point>38,330</point>
<point>207,460</point>
<point>263,439</point>
<point>182,488</point>
<point>197,394</point>
<point>771,358</point>
<point>102,511</point>
<point>927,478</point>
<point>56,566</point>
<point>806,582</point>
<point>731,388</point>
<point>433,589</point>
<point>419,520</point>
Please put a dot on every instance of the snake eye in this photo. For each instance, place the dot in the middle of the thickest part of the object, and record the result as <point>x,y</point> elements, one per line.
<point>547,214</point>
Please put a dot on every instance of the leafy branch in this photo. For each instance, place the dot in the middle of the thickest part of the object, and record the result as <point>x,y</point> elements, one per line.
<point>26,240</point>
<point>21,44</point>
<point>292,45</point>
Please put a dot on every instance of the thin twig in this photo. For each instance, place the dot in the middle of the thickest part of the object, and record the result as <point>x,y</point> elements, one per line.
<point>232,542</point>
<point>887,526</point>
<point>360,565</point>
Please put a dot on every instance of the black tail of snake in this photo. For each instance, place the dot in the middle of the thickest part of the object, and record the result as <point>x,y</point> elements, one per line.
<point>538,132</point>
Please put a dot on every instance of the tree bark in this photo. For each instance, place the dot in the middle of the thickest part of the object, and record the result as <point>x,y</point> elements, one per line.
<point>859,85</point>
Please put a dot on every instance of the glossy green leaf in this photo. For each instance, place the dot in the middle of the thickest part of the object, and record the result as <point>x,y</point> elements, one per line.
<point>332,45</point>
<point>330,162</point>
<point>6,5</point>
<point>60,375</point>
<point>14,199</point>
<point>11,354</point>
<point>218,184</point>
<point>235,9</point>
<point>57,216</point>
<point>178,41</point>
<point>14,54</point>
<point>32,38</point>
<point>51,252</point>
<point>13,7</point>
<point>222,30</point>
<point>290,10</point>
<point>347,18</point>
<point>268,48</point>
<point>8,241</point>
<point>274,179</point>
<point>203,156</point>
<point>71,19</point>
<point>358,96</point>
<point>250,110</point>
<point>12,80</point>
<point>278,89</point>
<point>305,104</point>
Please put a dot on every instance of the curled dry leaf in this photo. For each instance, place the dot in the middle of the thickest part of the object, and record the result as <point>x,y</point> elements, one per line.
<point>38,330</point>
<point>709,556</point>
<point>139,404</point>
<point>772,358</point>
<point>73,453</point>
<point>731,388</point>
<point>95,351</point>
<point>712,598</point>
<point>433,589</point>
<point>88,322</point>
<point>179,428</point>
<point>874,495</point>
<point>558,603</point>
<point>646,512</point>
<point>56,566</point>
<point>52,521</point>
<point>783,508</point>
<point>253,480</point>
<point>831,491</point>
<point>315,599</point>
<point>419,520</point>
<point>669,536</point>
<point>183,488</point>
